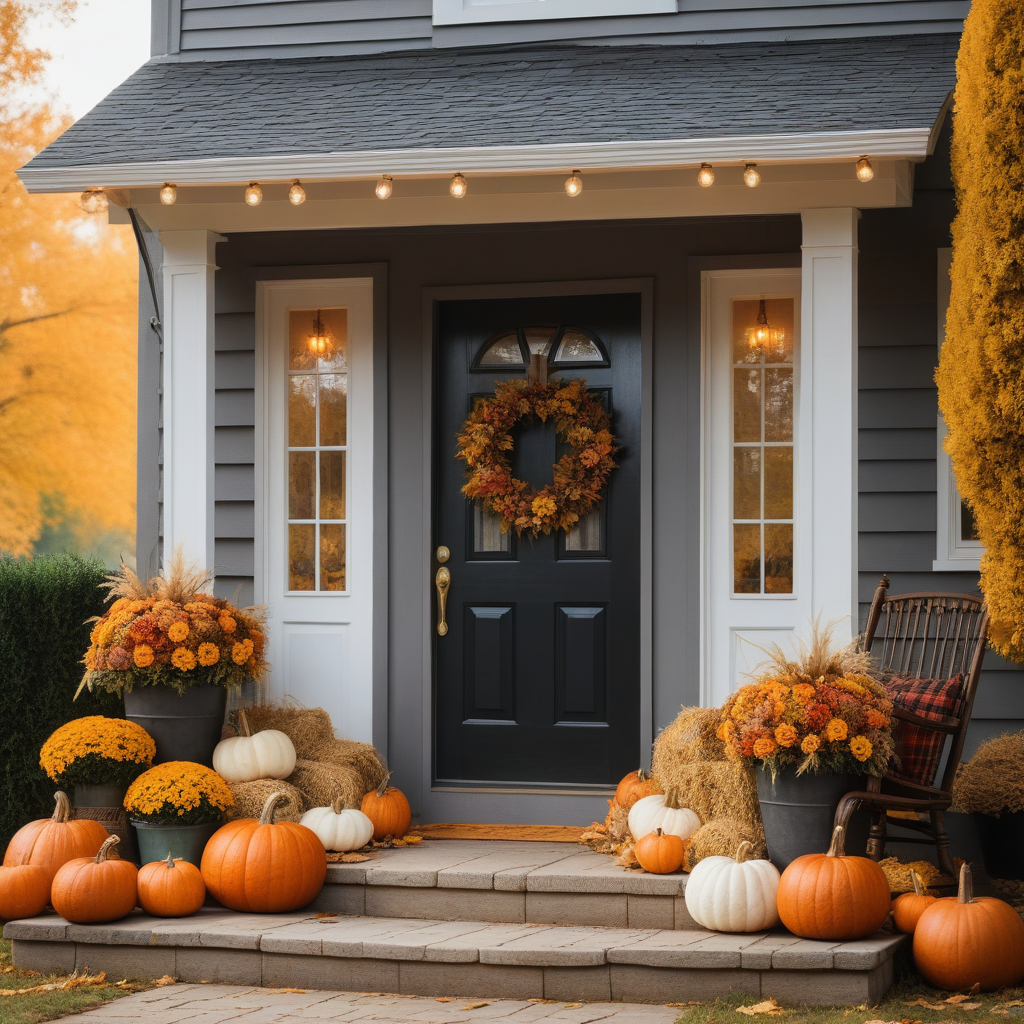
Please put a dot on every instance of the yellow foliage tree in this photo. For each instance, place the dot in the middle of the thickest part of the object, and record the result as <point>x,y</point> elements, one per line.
<point>67,335</point>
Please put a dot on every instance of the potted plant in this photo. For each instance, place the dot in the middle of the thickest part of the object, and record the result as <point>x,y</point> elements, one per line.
<point>990,786</point>
<point>172,650</point>
<point>812,726</point>
<point>97,756</point>
<point>175,808</point>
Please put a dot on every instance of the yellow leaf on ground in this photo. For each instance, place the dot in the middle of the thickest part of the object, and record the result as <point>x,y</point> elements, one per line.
<point>298,991</point>
<point>921,1001</point>
<point>476,1006</point>
<point>768,1008</point>
<point>572,1006</point>
<point>442,999</point>
<point>74,981</point>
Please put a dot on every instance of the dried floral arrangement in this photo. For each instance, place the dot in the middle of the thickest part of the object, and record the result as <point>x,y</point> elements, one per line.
<point>178,793</point>
<point>97,750</point>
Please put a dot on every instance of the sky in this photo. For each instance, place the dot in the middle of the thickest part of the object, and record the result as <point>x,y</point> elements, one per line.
<point>106,42</point>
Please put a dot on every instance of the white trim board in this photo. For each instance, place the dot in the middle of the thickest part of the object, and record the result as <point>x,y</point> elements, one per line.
<point>475,12</point>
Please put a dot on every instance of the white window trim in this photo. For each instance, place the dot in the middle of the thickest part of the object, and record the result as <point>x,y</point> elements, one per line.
<point>951,553</point>
<point>476,12</point>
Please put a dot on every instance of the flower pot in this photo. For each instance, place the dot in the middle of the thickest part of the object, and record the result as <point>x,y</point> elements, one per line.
<point>1001,841</point>
<point>186,727</point>
<point>184,841</point>
<point>99,794</point>
<point>798,812</point>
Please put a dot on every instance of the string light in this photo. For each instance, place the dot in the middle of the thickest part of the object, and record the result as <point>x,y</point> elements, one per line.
<point>573,184</point>
<point>865,172</point>
<point>296,194</point>
<point>751,176</point>
<point>93,200</point>
<point>168,194</point>
<point>253,194</point>
<point>706,176</point>
<point>458,186</point>
<point>386,186</point>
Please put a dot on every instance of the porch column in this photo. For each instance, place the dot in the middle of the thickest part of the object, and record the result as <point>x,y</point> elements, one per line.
<point>188,394</point>
<point>829,394</point>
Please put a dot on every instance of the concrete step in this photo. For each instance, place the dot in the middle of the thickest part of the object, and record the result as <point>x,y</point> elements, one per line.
<point>463,958</point>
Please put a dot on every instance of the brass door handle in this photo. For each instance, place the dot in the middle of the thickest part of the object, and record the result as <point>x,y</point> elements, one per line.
<point>442,580</point>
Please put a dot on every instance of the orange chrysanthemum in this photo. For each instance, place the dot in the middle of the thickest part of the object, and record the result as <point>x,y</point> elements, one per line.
<point>143,655</point>
<point>836,730</point>
<point>183,659</point>
<point>209,654</point>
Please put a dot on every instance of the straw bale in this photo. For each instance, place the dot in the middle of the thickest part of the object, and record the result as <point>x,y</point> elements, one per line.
<point>322,783</point>
<point>721,838</point>
<point>691,737</point>
<point>309,729</point>
<point>993,780</point>
<point>361,758</point>
<point>715,790</point>
<point>251,796</point>
<point>898,875</point>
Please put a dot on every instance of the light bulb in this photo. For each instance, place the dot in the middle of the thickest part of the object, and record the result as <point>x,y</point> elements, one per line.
<point>168,194</point>
<point>458,186</point>
<point>296,194</point>
<point>865,172</point>
<point>385,186</point>
<point>93,200</point>
<point>573,184</point>
<point>253,194</point>
<point>751,176</point>
<point>706,176</point>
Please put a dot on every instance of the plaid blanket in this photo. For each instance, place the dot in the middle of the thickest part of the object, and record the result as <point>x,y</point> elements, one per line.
<point>919,749</point>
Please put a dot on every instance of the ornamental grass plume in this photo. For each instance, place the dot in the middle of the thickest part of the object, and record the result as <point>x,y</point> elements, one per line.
<point>981,368</point>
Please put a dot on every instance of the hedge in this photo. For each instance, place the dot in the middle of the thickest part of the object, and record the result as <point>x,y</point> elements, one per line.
<point>44,605</point>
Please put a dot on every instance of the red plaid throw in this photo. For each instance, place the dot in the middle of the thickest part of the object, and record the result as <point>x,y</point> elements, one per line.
<point>917,748</point>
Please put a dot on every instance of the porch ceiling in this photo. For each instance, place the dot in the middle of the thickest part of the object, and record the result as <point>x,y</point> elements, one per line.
<point>520,110</point>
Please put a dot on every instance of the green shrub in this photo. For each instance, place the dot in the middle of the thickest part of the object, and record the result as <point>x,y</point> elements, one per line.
<point>44,605</point>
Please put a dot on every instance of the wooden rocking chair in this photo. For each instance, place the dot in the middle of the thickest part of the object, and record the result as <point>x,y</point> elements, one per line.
<point>922,636</point>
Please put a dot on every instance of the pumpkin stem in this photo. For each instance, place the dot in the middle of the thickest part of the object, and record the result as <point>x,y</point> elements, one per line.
<point>267,814</point>
<point>915,879</point>
<point>838,845</point>
<point>744,850</point>
<point>966,893</point>
<point>383,787</point>
<point>62,810</point>
<point>658,831</point>
<point>337,805</point>
<point>243,724</point>
<point>170,859</point>
<point>672,799</point>
<point>641,775</point>
<point>105,850</point>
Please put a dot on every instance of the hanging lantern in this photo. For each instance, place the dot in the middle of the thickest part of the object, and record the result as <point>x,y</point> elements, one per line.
<point>320,342</point>
<point>764,337</point>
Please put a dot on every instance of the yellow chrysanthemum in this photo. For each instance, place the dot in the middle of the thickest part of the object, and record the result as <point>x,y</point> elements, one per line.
<point>209,654</point>
<point>239,654</point>
<point>764,747</point>
<point>803,692</point>
<point>785,735</point>
<point>227,623</point>
<point>860,747</point>
<point>178,786</point>
<point>183,659</point>
<point>114,739</point>
<point>143,656</point>
<point>836,730</point>
<point>178,632</point>
<point>810,744</point>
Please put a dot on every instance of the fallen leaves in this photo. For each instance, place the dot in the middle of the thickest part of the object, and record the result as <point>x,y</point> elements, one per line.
<point>766,1008</point>
<point>296,991</point>
<point>475,1006</point>
<point>75,980</point>
<point>1003,1009</point>
<point>165,980</point>
<point>348,858</point>
<point>324,917</point>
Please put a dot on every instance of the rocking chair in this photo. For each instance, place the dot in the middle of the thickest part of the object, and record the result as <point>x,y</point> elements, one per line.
<point>927,637</point>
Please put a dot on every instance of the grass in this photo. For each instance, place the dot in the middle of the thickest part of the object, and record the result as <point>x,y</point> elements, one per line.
<point>40,1006</point>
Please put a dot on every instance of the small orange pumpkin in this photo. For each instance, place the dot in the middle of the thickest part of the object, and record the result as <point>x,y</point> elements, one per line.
<point>24,891</point>
<point>908,908</point>
<point>94,890</point>
<point>171,888</point>
<point>659,852</point>
<point>633,786</point>
<point>832,896</point>
<point>262,866</point>
<point>52,842</point>
<point>388,809</point>
<point>961,941</point>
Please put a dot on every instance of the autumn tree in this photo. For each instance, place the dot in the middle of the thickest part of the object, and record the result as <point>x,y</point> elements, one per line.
<point>67,333</point>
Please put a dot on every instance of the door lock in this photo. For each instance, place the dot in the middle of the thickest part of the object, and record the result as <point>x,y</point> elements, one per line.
<point>442,580</point>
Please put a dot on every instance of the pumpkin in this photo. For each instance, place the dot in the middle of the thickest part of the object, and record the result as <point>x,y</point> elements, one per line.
<point>388,809</point>
<point>908,908</point>
<point>832,896</point>
<point>171,888</point>
<point>24,891</point>
<point>339,828</point>
<point>960,941</point>
<point>662,811</point>
<point>634,786</point>
<point>52,842</point>
<point>266,755</point>
<point>659,852</point>
<point>94,890</point>
<point>262,866</point>
<point>734,894</point>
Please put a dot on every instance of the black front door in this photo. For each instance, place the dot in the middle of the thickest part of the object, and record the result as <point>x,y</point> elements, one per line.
<point>538,677</point>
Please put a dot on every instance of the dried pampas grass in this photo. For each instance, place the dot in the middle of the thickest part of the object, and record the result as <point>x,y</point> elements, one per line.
<point>178,581</point>
<point>819,656</point>
<point>251,796</point>
<point>992,781</point>
<point>721,838</point>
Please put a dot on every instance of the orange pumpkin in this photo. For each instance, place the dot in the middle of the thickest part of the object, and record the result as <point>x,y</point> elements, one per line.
<point>908,908</point>
<point>388,809</point>
<point>24,891</point>
<point>51,842</point>
<point>94,890</point>
<point>961,941</point>
<point>264,866</point>
<point>171,888</point>
<point>832,896</point>
<point>660,852</point>
<point>634,786</point>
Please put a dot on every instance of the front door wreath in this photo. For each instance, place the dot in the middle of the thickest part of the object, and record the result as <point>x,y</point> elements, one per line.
<point>485,444</point>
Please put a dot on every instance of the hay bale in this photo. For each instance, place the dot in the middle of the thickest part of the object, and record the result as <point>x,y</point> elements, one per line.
<point>251,796</point>
<point>309,729</point>
<point>898,875</point>
<point>993,780</point>
<point>322,783</point>
<point>691,737</point>
<point>361,758</point>
<point>721,838</point>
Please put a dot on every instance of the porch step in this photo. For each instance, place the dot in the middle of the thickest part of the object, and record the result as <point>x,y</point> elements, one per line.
<point>455,958</point>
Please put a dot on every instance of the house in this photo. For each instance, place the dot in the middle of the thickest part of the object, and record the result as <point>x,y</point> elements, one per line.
<point>359,216</point>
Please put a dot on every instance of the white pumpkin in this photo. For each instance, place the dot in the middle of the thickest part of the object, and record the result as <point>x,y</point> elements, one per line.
<point>729,894</point>
<point>339,828</point>
<point>662,811</point>
<point>245,758</point>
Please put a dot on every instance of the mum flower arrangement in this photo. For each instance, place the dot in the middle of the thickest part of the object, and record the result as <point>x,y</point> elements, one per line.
<point>178,793</point>
<point>820,711</point>
<point>97,751</point>
<point>170,631</point>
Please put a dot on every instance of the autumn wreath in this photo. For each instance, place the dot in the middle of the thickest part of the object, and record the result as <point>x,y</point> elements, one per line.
<point>486,444</point>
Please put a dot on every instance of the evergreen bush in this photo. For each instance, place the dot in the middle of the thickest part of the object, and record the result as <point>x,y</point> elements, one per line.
<point>44,605</point>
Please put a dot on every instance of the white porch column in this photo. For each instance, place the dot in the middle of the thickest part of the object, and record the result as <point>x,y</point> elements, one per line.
<point>829,402</point>
<point>188,393</point>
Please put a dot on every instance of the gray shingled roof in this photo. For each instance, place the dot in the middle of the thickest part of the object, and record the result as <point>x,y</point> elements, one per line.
<point>185,110</point>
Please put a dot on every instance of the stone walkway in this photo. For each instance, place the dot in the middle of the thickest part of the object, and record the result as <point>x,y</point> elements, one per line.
<point>220,1004</point>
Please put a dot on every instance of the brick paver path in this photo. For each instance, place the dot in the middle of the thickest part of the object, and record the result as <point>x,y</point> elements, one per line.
<point>220,1004</point>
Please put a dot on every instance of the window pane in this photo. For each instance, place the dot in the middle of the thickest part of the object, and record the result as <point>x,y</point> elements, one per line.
<point>318,339</point>
<point>332,485</point>
<point>746,559</point>
<point>302,411</point>
<point>333,409</point>
<point>778,558</point>
<point>487,535</point>
<point>746,405</point>
<point>781,330</point>
<point>504,350</point>
<point>744,316</point>
<point>301,557</point>
<point>777,346</point>
<point>576,347</point>
<point>586,534</point>
<point>968,526</point>
<point>301,485</point>
<point>300,327</point>
<point>746,483</point>
<point>538,339</point>
<point>778,483</point>
<point>778,405</point>
<point>332,557</point>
